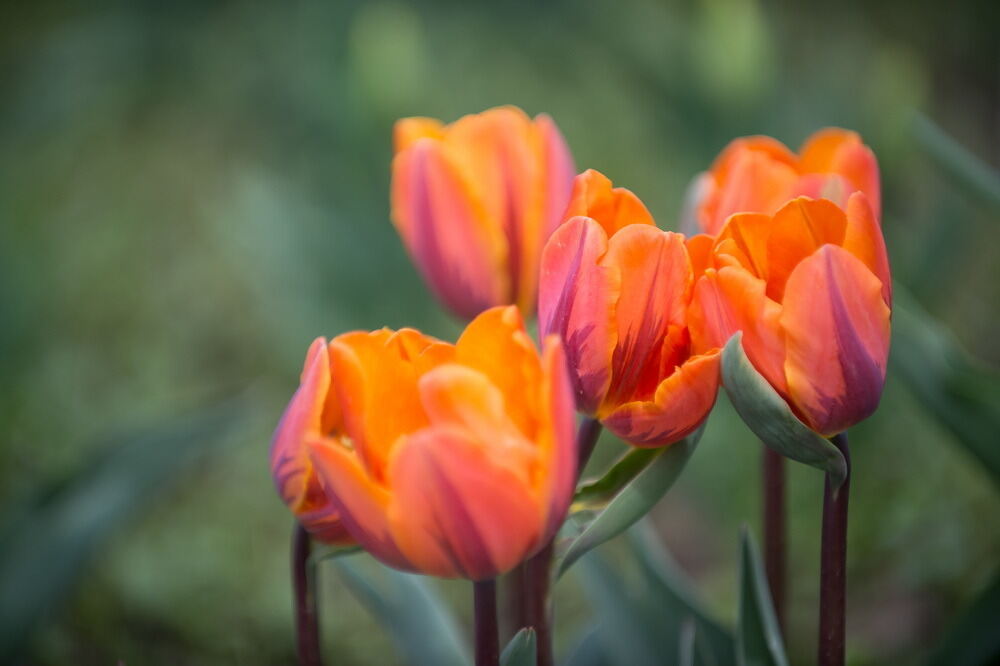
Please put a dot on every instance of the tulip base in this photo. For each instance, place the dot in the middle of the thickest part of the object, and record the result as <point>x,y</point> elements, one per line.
<point>306,615</point>
<point>833,565</point>
<point>484,596</point>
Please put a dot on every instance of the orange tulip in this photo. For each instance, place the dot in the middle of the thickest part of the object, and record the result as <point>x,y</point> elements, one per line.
<point>759,174</point>
<point>474,202</point>
<point>616,289</point>
<point>810,289</point>
<point>451,460</point>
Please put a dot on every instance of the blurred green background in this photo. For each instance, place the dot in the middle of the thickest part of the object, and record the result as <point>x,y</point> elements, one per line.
<point>191,192</point>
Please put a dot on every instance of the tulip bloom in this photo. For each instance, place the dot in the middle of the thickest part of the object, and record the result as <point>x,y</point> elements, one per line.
<point>617,290</point>
<point>450,460</point>
<point>474,202</point>
<point>759,174</point>
<point>810,289</point>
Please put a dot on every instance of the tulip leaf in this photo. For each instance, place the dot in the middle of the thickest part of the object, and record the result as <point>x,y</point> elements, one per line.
<point>45,546</point>
<point>771,419</point>
<point>973,639</point>
<point>595,495</point>
<point>650,475</point>
<point>521,650</point>
<point>588,650</point>
<point>968,171</point>
<point>961,394</point>
<point>410,609</point>
<point>758,637</point>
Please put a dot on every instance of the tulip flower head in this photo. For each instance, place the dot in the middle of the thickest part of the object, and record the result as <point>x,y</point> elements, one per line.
<point>474,202</point>
<point>616,289</point>
<point>810,289</point>
<point>759,175</point>
<point>450,460</point>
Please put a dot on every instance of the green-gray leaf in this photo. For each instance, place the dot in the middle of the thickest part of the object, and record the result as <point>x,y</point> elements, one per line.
<point>521,651</point>
<point>652,478</point>
<point>408,606</point>
<point>758,637</point>
<point>770,417</point>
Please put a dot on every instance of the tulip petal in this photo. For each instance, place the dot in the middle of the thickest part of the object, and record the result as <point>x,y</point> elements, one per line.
<point>454,513</point>
<point>864,240</point>
<point>612,207</point>
<point>838,151</point>
<point>755,183</point>
<point>837,334</point>
<point>655,290</point>
<point>575,302</point>
<point>361,501</point>
<point>458,249</point>
<point>557,437</point>
<point>798,230</point>
<point>559,173</point>
<point>408,131</point>
<point>682,401</point>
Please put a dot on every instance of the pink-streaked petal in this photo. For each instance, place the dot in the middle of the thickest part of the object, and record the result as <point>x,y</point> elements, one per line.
<point>682,401</point>
<point>837,334</point>
<point>454,513</point>
<point>575,302</point>
<point>557,438</point>
<point>559,172</point>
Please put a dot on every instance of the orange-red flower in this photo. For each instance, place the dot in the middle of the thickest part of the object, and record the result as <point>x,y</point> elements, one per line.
<point>451,460</point>
<point>759,174</point>
<point>811,290</point>
<point>474,202</point>
<point>617,290</point>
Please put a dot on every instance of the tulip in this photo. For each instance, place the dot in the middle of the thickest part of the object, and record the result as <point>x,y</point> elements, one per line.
<point>474,202</point>
<point>450,460</point>
<point>294,475</point>
<point>616,289</point>
<point>760,175</point>
<point>809,288</point>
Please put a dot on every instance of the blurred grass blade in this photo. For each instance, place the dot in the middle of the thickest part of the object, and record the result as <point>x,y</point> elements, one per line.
<point>521,651</point>
<point>588,650</point>
<point>973,640</point>
<point>685,649</point>
<point>45,547</point>
<point>968,171</point>
<point>408,606</point>
<point>675,595</point>
<point>758,638</point>
<point>963,395</point>
<point>650,482</point>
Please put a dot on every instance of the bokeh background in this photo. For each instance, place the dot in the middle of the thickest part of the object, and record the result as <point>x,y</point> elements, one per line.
<point>191,192</point>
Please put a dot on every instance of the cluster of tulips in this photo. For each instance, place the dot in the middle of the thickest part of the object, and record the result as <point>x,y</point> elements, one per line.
<point>461,460</point>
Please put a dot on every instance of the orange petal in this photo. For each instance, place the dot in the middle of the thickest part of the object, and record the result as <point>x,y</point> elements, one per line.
<point>655,290</point>
<point>744,239</point>
<point>556,438</point>
<point>837,334</point>
<point>731,299</point>
<point>699,249</point>
<point>575,300</point>
<point>682,401</point>
<point>407,131</point>
<point>864,240</point>
<point>459,250</point>
<point>454,513</point>
<point>612,208</point>
<point>496,344</point>
<point>797,230</point>
<point>842,152</point>
<point>363,503</point>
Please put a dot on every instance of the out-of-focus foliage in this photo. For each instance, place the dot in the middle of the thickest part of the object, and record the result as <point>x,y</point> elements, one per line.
<point>191,192</point>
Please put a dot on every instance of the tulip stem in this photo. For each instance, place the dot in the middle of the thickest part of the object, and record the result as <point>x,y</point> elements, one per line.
<point>537,580</point>
<point>775,544</point>
<point>833,565</point>
<point>586,440</point>
<point>306,616</point>
<point>484,595</point>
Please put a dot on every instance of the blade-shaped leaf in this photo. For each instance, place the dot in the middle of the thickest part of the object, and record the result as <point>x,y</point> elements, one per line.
<point>521,650</point>
<point>770,417</point>
<point>46,546</point>
<point>973,639</point>
<point>968,171</point>
<point>758,637</point>
<point>589,650</point>
<point>963,396</point>
<point>595,495</point>
<point>646,487</point>
<point>408,606</point>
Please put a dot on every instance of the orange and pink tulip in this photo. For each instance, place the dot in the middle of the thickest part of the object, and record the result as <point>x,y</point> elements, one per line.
<point>810,288</point>
<point>759,174</point>
<point>474,202</point>
<point>616,289</point>
<point>450,460</point>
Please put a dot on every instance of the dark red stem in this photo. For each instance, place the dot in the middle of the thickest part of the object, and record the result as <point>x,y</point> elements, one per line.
<point>537,578</point>
<point>484,595</point>
<point>306,617</point>
<point>833,566</point>
<point>775,545</point>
